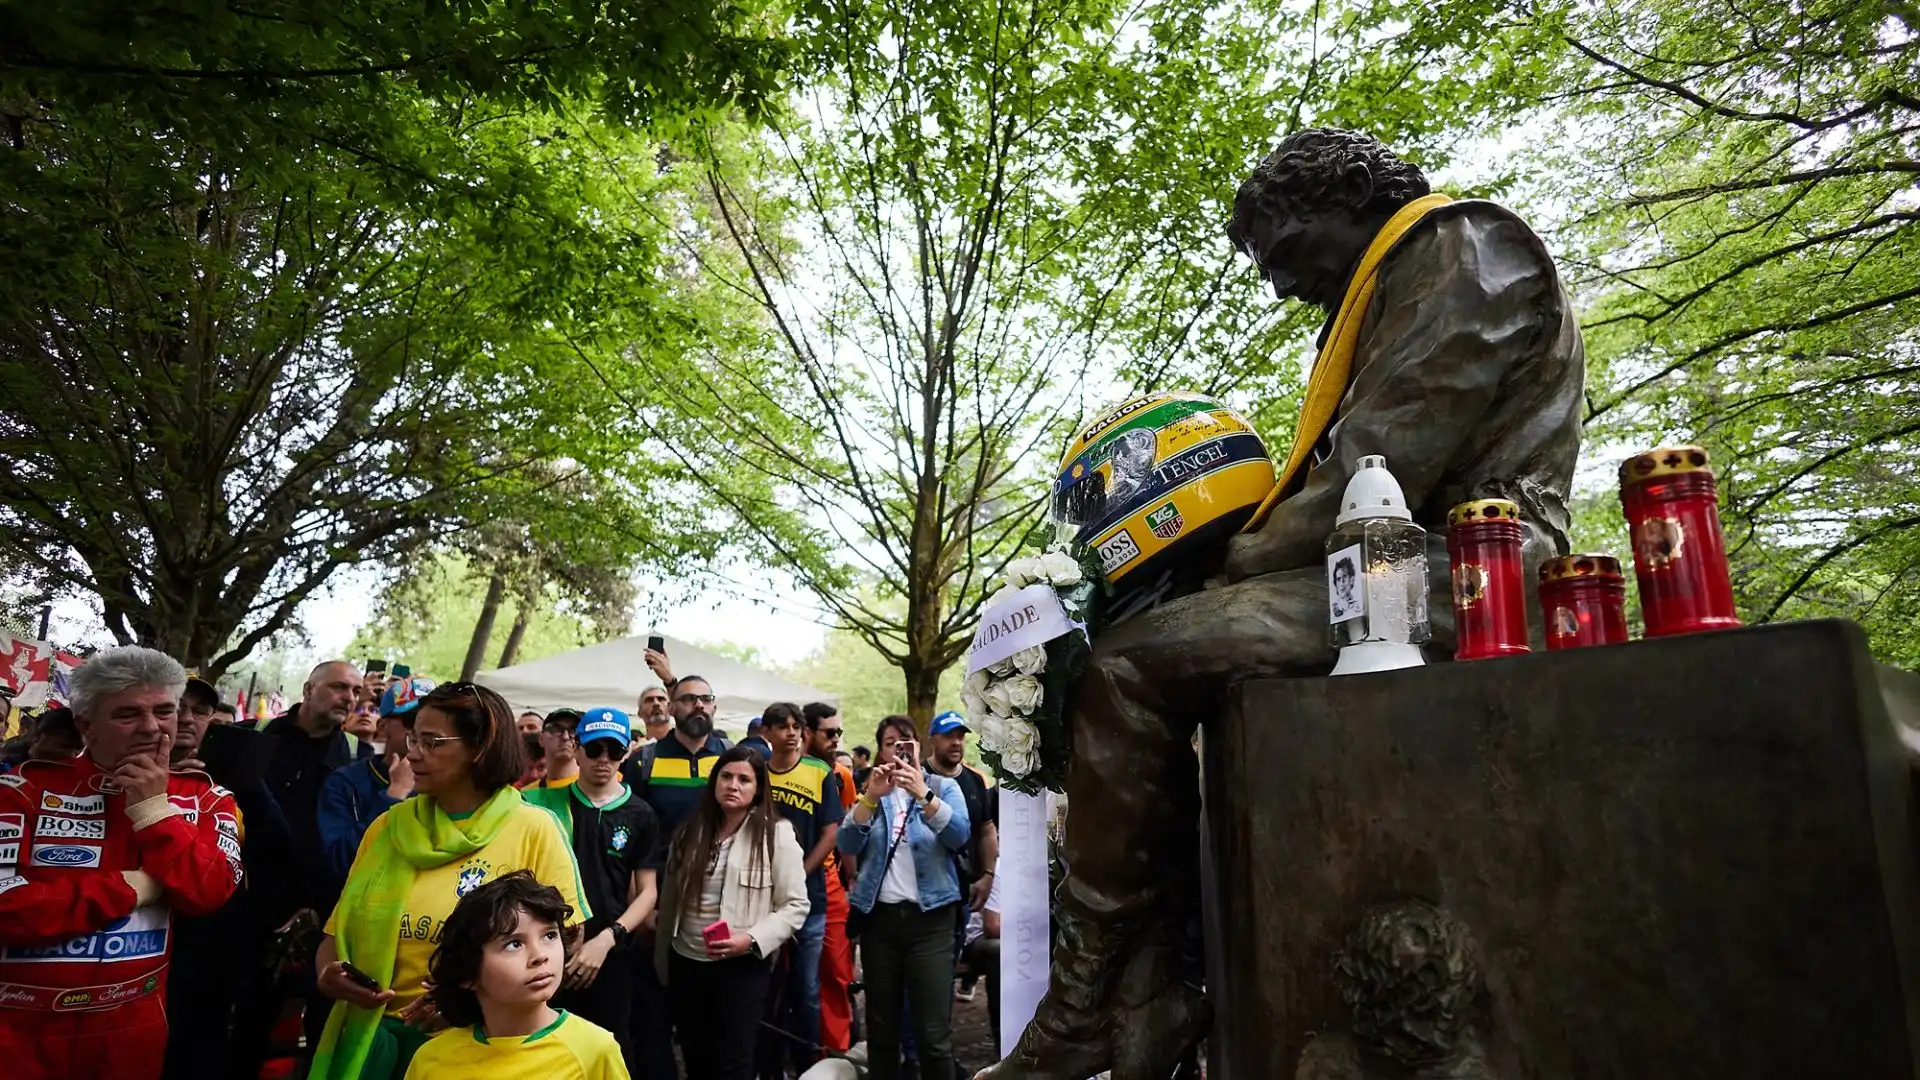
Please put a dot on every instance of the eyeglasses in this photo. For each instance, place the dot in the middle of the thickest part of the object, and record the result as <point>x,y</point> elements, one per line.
<point>428,743</point>
<point>557,728</point>
<point>602,748</point>
<point>695,699</point>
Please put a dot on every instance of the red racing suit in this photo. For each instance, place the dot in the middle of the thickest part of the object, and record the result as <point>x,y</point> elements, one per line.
<point>82,971</point>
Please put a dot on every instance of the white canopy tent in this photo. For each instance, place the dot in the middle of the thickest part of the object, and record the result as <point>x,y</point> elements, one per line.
<point>614,672</point>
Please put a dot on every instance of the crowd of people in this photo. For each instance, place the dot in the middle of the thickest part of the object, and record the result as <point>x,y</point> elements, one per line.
<point>397,879</point>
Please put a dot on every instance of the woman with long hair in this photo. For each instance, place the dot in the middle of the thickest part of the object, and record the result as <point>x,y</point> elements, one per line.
<point>736,891</point>
<point>465,825</point>
<point>906,831</point>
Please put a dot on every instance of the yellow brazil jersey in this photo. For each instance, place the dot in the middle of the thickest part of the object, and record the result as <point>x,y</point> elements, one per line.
<point>530,840</point>
<point>567,1049</point>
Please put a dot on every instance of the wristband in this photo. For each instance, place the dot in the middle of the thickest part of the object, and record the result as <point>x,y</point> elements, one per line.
<point>869,802</point>
<point>149,810</point>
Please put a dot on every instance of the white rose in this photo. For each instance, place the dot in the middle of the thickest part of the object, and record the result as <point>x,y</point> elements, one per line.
<point>1024,571</point>
<point>974,705</point>
<point>990,730</point>
<point>1019,762</point>
<point>1001,669</point>
<point>1060,568</point>
<point>998,698</point>
<point>1031,660</point>
<point>1019,737</point>
<point>1025,693</point>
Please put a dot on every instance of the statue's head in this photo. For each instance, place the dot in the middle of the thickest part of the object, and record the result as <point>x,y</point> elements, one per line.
<point>1309,210</point>
<point>1410,976</point>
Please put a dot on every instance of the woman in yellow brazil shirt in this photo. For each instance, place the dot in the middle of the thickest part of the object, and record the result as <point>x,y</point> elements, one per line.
<point>465,826</point>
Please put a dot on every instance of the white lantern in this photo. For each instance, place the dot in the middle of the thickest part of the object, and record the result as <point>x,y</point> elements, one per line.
<point>1376,576</point>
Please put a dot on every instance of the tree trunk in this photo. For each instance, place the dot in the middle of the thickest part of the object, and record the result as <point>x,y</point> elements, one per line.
<point>483,629</point>
<point>923,694</point>
<point>511,650</point>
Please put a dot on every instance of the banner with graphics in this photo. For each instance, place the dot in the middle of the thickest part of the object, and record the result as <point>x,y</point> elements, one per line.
<point>26,670</point>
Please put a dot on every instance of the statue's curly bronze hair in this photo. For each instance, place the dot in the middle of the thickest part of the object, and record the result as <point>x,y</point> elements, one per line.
<point>1313,172</point>
<point>1410,976</point>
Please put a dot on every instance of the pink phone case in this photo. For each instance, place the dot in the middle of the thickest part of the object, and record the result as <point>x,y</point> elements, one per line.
<point>717,932</point>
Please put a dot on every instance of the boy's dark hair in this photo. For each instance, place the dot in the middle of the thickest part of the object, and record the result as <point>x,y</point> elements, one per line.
<point>863,752</point>
<point>488,912</point>
<point>817,711</point>
<point>779,713</point>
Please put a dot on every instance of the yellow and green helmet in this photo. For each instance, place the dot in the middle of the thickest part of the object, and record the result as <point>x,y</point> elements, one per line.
<point>1159,474</point>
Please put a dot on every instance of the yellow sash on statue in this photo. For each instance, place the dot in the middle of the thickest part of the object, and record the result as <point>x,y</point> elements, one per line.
<point>1334,366</point>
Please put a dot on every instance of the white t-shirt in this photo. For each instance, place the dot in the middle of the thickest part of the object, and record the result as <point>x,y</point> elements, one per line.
<point>901,885</point>
<point>977,921</point>
<point>691,941</point>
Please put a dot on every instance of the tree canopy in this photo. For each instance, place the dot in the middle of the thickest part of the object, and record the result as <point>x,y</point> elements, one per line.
<point>300,287</point>
<point>1742,227</point>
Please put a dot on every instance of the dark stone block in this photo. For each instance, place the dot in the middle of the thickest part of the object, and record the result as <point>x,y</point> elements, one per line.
<point>1684,858</point>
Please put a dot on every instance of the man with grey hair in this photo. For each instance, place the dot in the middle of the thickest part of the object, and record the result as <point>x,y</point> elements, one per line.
<point>97,852</point>
<point>308,746</point>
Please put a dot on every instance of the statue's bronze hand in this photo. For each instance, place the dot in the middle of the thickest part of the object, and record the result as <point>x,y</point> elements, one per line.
<point>1252,554</point>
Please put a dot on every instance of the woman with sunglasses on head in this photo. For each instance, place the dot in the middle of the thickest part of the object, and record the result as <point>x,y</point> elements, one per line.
<point>464,826</point>
<point>736,892</point>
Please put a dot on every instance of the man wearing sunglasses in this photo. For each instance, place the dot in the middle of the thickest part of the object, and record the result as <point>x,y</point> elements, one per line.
<point>614,836</point>
<point>559,750</point>
<point>825,730</point>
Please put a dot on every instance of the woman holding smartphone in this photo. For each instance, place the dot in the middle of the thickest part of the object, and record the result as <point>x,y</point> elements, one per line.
<point>465,826</point>
<point>906,831</point>
<point>736,892</point>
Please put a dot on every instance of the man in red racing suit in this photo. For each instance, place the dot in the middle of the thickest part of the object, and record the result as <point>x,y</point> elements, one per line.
<point>96,852</point>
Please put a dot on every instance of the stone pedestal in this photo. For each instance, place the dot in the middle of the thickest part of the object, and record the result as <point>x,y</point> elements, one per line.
<point>1685,859</point>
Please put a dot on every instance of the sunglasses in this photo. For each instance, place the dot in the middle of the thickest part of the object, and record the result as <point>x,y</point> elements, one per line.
<point>557,727</point>
<point>695,699</point>
<point>603,748</point>
<point>831,732</point>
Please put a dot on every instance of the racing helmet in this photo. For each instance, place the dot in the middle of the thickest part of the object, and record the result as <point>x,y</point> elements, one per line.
<point>1158,475</point>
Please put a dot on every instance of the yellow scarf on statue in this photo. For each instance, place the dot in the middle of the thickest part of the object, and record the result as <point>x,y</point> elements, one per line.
<point>1333,367</point>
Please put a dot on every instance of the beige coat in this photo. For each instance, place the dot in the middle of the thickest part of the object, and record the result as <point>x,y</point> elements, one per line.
<point>770,901</point>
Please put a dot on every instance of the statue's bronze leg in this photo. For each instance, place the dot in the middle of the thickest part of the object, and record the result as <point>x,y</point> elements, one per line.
<point>1116,999</point>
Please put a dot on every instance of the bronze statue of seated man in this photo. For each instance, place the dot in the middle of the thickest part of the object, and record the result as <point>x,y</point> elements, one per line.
<point>1467,375</point>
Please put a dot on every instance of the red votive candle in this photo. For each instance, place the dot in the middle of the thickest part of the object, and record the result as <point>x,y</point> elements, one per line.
<point>1584,601</point>
<point>1679,555</point>
<point>1489,583</point>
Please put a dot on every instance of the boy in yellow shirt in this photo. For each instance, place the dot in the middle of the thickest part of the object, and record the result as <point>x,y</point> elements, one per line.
<point>500,960</point>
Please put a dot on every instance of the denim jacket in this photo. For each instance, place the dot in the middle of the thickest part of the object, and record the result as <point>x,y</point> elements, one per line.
<point>932,843</point>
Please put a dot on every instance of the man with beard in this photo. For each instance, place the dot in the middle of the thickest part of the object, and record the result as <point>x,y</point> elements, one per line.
<point>308,746</point>
<point>670,779</point>
<point>655,716</point>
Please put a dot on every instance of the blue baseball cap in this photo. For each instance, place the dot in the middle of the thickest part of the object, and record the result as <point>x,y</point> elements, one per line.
<point>404,696</point>
<point>947,723</point>
<point>604,723</point>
